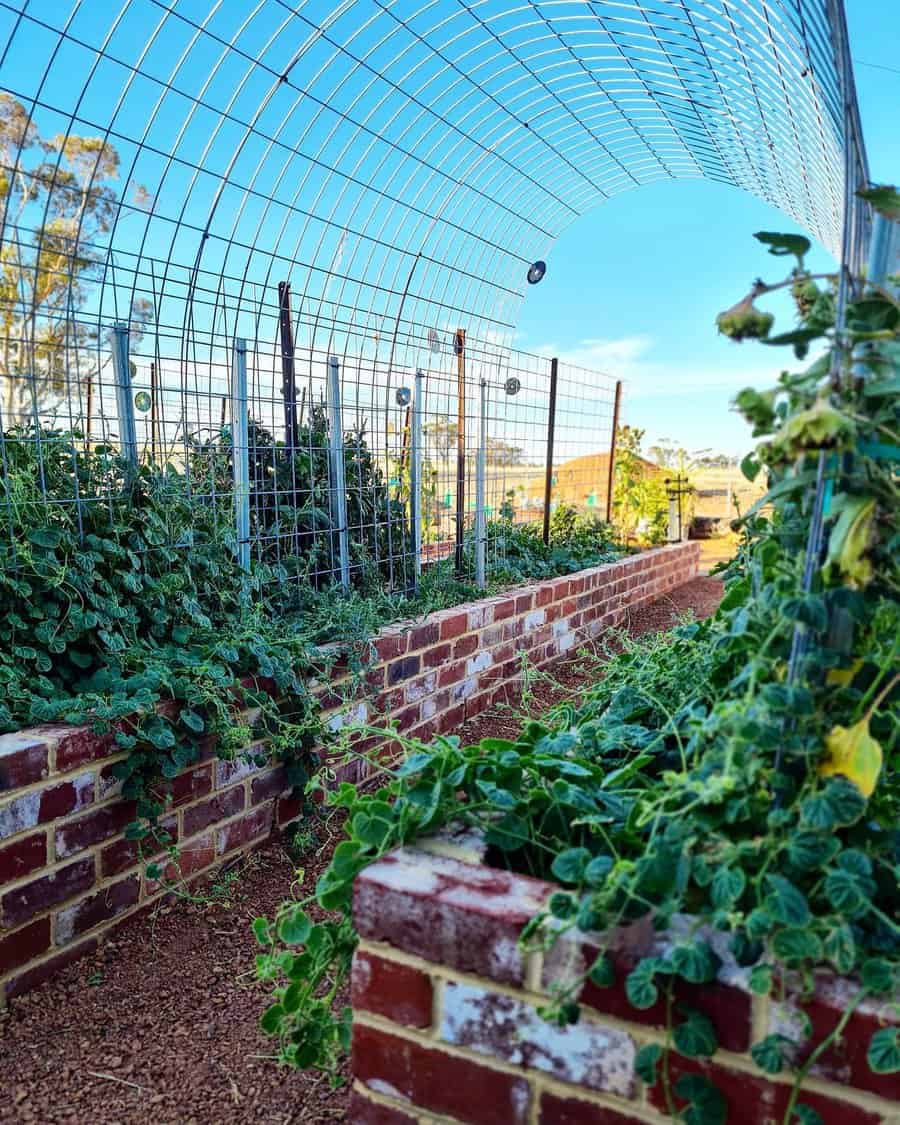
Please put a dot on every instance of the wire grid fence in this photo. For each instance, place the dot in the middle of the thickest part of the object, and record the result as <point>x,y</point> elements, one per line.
<point>431,460</point>
<point>402,165</point>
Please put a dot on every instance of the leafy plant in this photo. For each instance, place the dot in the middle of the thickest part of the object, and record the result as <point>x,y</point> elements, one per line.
<point>706,777</point>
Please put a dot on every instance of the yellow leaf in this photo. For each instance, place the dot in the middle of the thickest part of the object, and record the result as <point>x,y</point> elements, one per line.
<point>855,754</point>
<point>843,677</point>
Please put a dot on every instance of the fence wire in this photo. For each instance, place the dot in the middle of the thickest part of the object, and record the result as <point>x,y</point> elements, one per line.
<point>167,167</point>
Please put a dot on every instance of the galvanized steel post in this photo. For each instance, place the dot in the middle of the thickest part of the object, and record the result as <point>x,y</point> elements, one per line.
<point>240,452</point>
<point>124,398</point>
<point>415,475</point>
<point>480,467</point>
<point>338,487</point>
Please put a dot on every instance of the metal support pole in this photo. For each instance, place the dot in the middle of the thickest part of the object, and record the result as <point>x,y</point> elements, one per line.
<point>337,482</point>
<point>288,383</point>
<point>611,472</point>
<point>459,346</point>
<point>124,397</point>
<point>480,469</point>
<point>551,432</point>
<point>415,475</point>
<point>240,452</point>
<point>154,410</point>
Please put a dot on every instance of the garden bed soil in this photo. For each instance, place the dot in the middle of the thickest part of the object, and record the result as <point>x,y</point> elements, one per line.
<point>160,1024</point>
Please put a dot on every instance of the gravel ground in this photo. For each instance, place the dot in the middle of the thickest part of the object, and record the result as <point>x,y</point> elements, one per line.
<point>160,1025</point>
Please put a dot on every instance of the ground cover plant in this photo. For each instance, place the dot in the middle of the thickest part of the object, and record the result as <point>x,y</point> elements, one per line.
<point>742,771</point>
<point>119,591</point>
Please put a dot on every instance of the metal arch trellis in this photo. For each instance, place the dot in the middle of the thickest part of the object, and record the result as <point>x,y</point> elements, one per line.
<point>399,164</point>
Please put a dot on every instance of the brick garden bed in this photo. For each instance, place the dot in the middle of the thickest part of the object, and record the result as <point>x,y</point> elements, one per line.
<point>446,1023</point>
<point>67,874</point>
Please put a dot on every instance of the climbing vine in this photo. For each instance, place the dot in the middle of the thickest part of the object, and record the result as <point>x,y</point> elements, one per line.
<point>747,801</point>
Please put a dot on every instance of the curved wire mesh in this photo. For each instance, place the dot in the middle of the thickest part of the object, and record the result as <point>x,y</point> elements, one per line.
<point>399,164</point>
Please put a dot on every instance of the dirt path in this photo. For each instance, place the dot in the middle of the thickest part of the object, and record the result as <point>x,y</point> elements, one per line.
<point>160,1026</point>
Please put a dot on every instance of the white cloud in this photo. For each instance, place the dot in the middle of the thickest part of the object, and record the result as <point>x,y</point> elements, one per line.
<point>630,358</point>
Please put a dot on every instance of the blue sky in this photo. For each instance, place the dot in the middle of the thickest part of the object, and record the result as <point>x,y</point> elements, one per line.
<point>634,287</point>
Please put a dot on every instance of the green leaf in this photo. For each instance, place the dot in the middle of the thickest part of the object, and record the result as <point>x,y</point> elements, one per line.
<point>810,850</point>
<point>570,866</point>
<point>761,980</point>
<point>772,1054</point>
<point>846,893</point>
<point>706,1105</point>
<point>294,927</point>
<point>261,931</point>
<point>47,537</point>
<point>785,902</point>
<point>883,1054</point>
<point>563,906</point>
<point>192,721</point>
<point>639,986</point>
<point>695,1038</point>
<point>845,800</point>
<point>508,833</point>
<point>796,944</point>
<point>781,245</point>
<point>271,1019</point>
<point>695,963</point>
<point>727,887</point>
<point>499,798</point>
<point>603,972</point>
<point>597,870</point>
<point>646,1063</point>
<point>884,198</point>
<point>750,467</point>
<point>806,1115</point>
<point>840,949</point>
<point>879,975</point>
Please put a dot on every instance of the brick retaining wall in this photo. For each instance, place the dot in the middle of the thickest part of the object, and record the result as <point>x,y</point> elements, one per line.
<point>68,875</point>
<point>446,1023</point>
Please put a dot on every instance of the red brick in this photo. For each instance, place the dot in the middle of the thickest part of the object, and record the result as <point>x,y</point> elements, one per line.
<point>70,796</point>
<point>217,808</point>
<point>729,1009</point>
<point>24,945</point>
<point>450,720</point>
<point>449,913</point>
<point>407,718</point>
<point>73,921</point>
<point>289,808</point>
<point>454,626</point>
<point>397,992</point>
<point>240,832</point>
<point>465,646</point>
<point>77,745</point>
<point>846,1061</point>
<point>391,645</point>
<point>23,759</point>
<point>438,1082</point>
<point>421,636</point>
<point>434,657</point>
<point>569,1111</point>
<point>504,608</point>
<point>36,976</point>
<point>49,890</point>
<point>76,835</point>
<point>23,857</point>
<point>524,602</point>
<point>451,673</point>
<point>543,596</point>
<point>752,1100</point>
<point>268,785</point>
<point>121,854</point>
<point>364,1112</point>
<point>193,856</point>
<point>192,784</point>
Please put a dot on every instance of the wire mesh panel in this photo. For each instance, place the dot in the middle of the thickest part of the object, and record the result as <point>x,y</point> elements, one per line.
<point>362,182</point>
